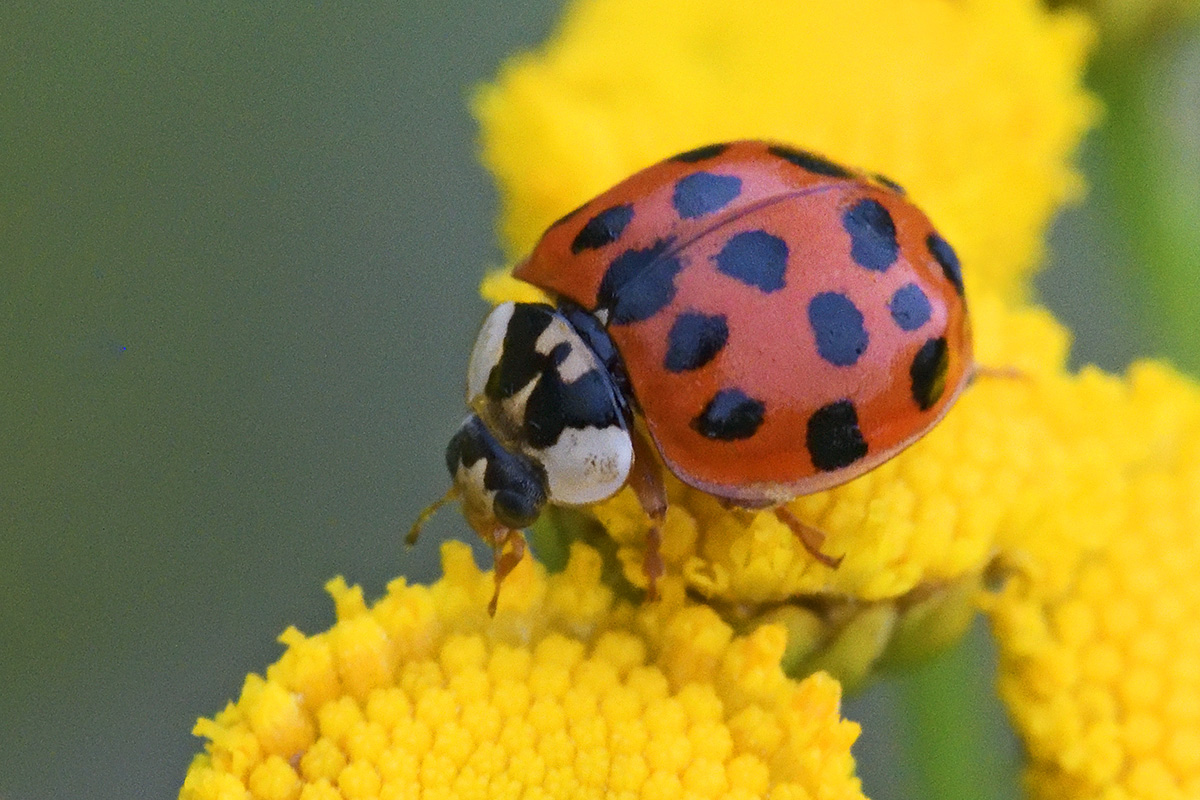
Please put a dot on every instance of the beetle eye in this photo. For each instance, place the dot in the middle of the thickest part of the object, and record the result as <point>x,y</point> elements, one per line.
<point>518,507</point>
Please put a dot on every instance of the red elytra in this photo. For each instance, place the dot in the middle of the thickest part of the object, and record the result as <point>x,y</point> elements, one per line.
<point>786,324</point>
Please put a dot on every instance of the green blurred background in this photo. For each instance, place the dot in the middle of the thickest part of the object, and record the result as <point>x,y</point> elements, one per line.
<point>239,249</point>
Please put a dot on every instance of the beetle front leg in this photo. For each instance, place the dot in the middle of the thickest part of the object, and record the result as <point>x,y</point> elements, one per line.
<point>646,480</point>
<point>508,548</point>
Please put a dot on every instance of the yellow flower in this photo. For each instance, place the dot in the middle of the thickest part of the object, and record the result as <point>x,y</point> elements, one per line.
<point>565,693</point>
<point>1099,627</point>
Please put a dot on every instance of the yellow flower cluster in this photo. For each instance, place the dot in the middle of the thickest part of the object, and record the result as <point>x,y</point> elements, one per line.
<point>1099,628</point>
<point>564,694</point>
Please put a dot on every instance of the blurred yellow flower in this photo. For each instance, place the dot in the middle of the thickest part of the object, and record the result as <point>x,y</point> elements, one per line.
<point>974,106</point>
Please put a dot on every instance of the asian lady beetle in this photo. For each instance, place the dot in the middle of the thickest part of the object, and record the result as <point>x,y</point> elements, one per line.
<point>768,322</point>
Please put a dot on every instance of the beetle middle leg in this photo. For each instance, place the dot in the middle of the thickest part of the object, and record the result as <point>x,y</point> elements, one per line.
<point>812,538</point>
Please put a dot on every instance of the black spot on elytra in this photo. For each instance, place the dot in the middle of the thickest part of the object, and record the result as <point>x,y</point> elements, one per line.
<point>519,482</point>
<point>694,340</point>
<point>519,362</point>
<point>928,373</point>
<point>729,416</point>
<point>910,307</point>
<point>604,228</point>
<point>639,283</point>
<point>626,268</point>
<point>810,161</point>
<point>838,326</point>
<point>872,234</point>
<point>703,193</point>
<point>756,258</point>
<point>701,153</point>
<point>944,254</point>
<point>834,440</point>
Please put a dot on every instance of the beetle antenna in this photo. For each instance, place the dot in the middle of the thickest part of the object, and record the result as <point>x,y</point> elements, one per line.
<point>428,512</point>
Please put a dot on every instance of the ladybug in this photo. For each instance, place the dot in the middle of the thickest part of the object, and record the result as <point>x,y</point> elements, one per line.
<point>763,322</point>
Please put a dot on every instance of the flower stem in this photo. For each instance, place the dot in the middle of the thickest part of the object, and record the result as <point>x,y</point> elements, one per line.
<point>960,745</point>
<point>1150,175</point>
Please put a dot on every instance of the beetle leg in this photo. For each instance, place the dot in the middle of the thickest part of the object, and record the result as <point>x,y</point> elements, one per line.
<point>812,538</point>
<point>646,480</point>
<point>508,548</point>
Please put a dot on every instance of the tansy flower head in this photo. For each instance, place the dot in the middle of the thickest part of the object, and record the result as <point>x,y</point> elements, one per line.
<point>564,694</point>
<point>1100,646</point>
